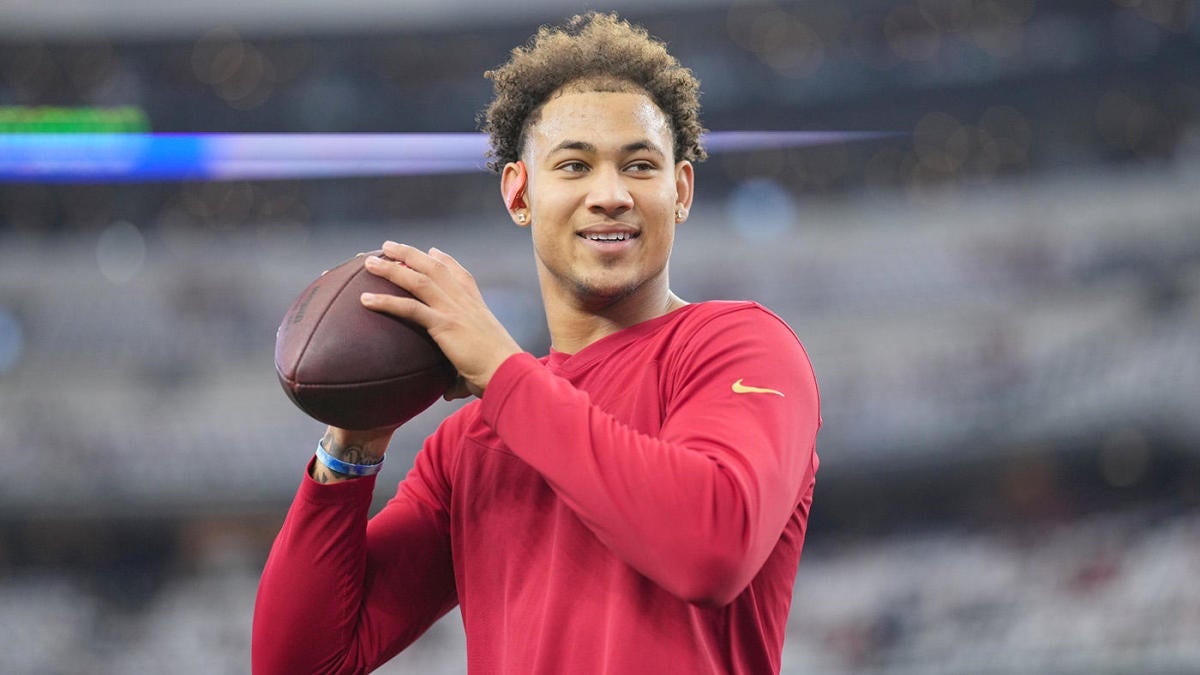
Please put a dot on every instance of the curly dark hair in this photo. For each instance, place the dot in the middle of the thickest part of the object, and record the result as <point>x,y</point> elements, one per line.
<point>603,52</point>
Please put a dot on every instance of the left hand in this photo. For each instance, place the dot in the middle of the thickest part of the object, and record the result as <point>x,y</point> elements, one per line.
<point>449,305</point>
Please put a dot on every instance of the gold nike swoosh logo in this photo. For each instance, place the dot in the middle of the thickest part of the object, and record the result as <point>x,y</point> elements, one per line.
<point>739,388</point>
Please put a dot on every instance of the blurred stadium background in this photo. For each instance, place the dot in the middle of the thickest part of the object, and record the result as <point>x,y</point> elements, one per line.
<point>1002,304</point>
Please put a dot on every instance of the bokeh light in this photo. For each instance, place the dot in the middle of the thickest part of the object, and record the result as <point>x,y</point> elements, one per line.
<point>760,210</point>
<point>238,71</point>
<point>120,252</point>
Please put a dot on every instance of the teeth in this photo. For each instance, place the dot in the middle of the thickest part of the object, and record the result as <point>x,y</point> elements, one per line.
<point>609,237</point>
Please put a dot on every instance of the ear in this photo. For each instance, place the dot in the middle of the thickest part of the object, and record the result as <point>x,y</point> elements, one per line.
<point>513,181</point>
<point>685,186</point>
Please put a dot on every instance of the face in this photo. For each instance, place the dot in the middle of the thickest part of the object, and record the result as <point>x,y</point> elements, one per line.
<point>602,197</point>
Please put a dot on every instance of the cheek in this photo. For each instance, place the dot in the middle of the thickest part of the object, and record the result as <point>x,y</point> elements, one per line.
<point>547,238</point>
<point>661,205</point>
<point>552,206</point>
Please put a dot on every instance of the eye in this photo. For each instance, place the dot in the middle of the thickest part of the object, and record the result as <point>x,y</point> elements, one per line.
<point>641,166</point>
<point>573,166</point>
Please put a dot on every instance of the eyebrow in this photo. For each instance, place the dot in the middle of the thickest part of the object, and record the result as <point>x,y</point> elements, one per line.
<point>584,146</point>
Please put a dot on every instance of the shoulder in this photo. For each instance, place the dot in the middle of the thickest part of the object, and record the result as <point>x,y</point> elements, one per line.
<point>716,319</point>
<point>716,332</point>
<point>727,343</point>
<point>739,335</point>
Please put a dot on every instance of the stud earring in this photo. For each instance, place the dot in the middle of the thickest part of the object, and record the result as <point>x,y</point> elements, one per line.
<point>679,214</point>
<point>521,218</point>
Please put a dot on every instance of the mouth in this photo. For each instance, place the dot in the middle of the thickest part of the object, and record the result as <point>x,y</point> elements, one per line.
<point>607,237</point>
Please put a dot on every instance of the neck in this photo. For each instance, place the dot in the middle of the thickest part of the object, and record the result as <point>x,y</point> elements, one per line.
<point>576,323</point>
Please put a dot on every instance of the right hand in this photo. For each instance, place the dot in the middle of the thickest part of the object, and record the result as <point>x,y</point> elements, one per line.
<point>446,301</point>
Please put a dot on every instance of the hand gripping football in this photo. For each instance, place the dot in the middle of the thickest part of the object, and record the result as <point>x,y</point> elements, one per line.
<point>351,367</point>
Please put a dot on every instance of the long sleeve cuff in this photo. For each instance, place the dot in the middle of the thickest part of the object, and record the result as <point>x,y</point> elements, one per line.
<point>358,491</point>
<point>504,381</point>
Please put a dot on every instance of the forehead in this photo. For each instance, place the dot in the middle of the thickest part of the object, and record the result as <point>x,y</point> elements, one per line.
<point>600,118</point>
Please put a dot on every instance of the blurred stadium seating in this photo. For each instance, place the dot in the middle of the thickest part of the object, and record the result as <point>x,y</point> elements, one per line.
<point>1002,306</point>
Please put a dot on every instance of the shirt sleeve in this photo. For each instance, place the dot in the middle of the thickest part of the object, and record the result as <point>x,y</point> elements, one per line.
<point>699,506</point>
<point>341,594</point>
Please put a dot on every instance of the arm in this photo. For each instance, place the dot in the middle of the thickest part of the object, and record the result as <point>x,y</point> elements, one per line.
<point>699,507</point>
<point>340,594</point>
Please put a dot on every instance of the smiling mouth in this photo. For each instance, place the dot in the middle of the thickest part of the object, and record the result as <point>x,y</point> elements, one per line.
<point>611,236</point>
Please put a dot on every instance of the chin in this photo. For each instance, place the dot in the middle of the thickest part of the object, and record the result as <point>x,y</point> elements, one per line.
<point>605,294</point>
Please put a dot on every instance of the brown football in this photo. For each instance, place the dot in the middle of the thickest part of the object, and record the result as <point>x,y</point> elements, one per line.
<point>351,367</point>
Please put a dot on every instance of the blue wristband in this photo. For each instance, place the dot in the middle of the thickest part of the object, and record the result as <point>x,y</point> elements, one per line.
<point>346,468</point>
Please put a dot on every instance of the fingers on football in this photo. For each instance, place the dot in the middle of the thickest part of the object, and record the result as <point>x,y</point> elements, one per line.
<point>455,268</point>
<point>408,277</point>
<point>438,265</point>
<point>405,308</point>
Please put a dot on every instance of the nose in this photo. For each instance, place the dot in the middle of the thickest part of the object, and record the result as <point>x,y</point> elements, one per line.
<point>607,193</point>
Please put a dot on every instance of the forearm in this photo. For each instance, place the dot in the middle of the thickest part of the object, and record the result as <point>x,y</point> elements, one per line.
<point>311,590</point>
<point>341,593</point>
<point>697,508</point>
<point>684,519</point>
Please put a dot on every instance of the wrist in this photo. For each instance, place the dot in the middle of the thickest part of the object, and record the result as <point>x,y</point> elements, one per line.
<point>343,454</point>
<point>348,469</point>
<point>486,377</point>
<point>357,447</point>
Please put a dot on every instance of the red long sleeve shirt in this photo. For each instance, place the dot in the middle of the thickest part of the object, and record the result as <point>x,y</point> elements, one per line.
<point>637,507</point>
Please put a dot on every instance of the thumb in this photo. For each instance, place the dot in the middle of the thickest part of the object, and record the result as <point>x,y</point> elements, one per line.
<point>460,389</point>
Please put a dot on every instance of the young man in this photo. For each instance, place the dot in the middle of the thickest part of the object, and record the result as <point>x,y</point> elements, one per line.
<point>634,502</point>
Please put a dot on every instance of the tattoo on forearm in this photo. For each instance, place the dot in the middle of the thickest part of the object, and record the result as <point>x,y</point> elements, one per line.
<point>354,454</point>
